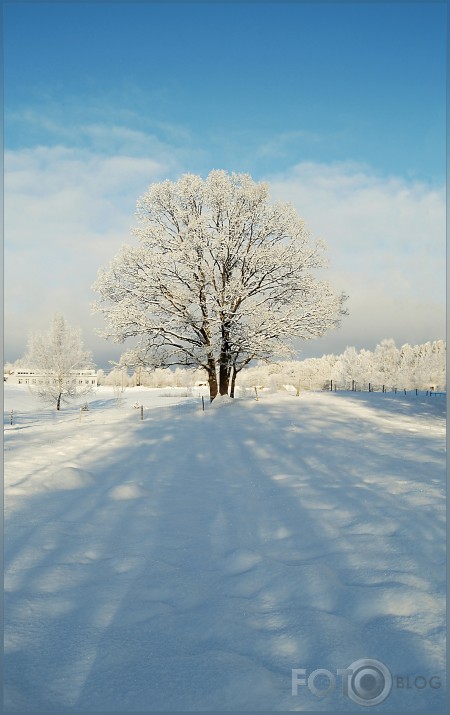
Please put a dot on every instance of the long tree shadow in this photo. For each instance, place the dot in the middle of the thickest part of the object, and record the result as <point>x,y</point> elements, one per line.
<point>231,552</point>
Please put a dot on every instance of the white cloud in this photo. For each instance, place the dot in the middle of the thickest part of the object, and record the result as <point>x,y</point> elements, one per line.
<point>66,213</point>
<point>386,239</point>
<point>100,127</point>
<point>68,210</point>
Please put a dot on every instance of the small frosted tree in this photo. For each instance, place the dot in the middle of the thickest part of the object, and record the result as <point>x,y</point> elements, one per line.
<point>56,356</point>
<point>220,277</point>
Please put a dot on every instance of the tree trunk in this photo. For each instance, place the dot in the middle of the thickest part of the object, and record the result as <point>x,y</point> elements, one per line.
<point>233,381</point>
<point>212,378</point>
<point>224,362</point>
<point>224,379</point>
<point>213,389</point>
<point>58,402</point>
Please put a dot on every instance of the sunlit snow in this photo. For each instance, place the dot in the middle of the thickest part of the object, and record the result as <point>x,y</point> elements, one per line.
<point>191,560</point>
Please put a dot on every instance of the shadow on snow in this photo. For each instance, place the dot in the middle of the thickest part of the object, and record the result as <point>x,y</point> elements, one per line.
<point>213,555</point>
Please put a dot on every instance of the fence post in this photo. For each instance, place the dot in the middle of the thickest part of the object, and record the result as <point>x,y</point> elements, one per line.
<point>331,385</point>
<point>11,414</point>
<point>256,393</point>
<point>142,412</point>
<point>203,404</point>
<point>369,387</point>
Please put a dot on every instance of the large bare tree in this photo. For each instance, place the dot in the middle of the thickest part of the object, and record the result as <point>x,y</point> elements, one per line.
<point>220,276</point>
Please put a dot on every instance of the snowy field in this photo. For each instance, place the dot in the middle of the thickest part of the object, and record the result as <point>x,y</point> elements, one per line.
<point>191,560</point>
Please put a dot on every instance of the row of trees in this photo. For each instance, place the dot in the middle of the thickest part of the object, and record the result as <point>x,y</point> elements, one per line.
<point>159,377</point>
<point>58,353</point>
<point>409,367</point>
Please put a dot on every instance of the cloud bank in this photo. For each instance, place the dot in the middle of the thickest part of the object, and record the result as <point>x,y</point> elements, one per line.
<point>386,239</point>
<point>68,210</point>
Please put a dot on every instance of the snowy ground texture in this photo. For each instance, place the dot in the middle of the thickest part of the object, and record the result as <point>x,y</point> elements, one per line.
<point>192,560</point>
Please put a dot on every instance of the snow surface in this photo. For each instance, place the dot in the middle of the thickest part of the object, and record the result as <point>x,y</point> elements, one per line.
<point>189,561</point>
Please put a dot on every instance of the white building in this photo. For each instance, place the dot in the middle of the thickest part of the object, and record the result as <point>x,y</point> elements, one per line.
<point>23,376</point>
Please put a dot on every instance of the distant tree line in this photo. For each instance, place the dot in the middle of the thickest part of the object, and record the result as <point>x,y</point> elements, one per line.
<point>159,377</point>
<point>408,367</point>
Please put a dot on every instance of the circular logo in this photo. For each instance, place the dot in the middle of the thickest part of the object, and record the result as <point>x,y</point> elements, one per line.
<point>370,682</point>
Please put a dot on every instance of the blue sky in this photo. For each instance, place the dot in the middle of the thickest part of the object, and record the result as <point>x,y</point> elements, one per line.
<point>339,106</point>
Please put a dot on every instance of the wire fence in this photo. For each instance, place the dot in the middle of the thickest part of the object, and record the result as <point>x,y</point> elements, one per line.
<point>354,386</point>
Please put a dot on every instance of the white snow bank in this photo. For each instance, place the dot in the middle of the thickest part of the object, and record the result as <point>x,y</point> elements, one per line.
<point>69,478</point>
<point>222,400</point>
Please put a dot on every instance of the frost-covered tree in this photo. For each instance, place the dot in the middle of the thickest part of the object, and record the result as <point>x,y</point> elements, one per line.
<point>409,372</point>
<point>220,277</point>
<point>431,363</point>
<point>351,367</point>
<point>386,358</point>
<point>8,368</point>
<point>118,378</point>
<point>56,356</point>
<point>418,366</point>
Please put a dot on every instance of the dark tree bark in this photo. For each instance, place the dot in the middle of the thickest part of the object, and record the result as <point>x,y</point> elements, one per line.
<point>224,362</point>
<point>212,379</point>
<point>233,381</point>
<point>224,378</point>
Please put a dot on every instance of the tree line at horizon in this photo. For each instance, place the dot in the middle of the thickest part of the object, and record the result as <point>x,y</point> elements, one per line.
<point>421,366</point>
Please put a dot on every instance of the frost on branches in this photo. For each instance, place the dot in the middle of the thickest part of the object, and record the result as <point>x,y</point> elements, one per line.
<point>220,277</point>
<point>56,356</point>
